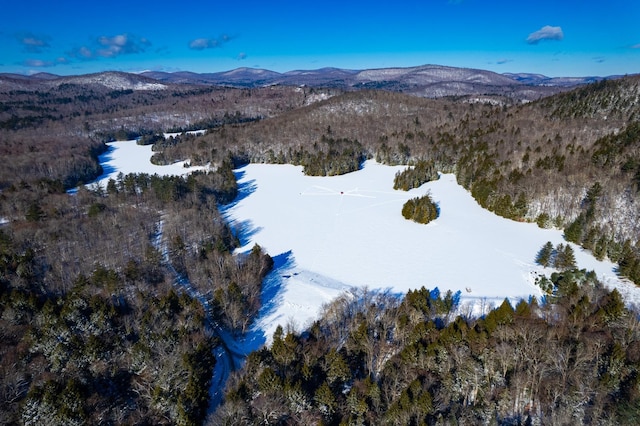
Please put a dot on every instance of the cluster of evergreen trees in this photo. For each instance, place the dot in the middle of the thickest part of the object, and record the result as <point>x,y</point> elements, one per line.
<point>561,257</point>
<point>421,209</point>
<point>422,172</point>
<point>100,351</point>
<point>330,157</point>
<point>586,231</point>
<point>221,184</point>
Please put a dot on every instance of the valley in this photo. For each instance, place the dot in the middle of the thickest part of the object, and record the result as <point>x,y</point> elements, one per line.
<point>286,222</point>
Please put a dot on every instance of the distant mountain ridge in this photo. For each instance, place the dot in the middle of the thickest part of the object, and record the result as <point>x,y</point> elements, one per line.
<point>114,80</point>
<point>431,81</point>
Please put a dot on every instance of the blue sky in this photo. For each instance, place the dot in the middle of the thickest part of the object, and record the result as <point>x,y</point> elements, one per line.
<point>551,37</point>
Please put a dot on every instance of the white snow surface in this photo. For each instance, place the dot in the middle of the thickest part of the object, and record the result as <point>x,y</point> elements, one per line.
<point>129,157</point>
<point>190,132</point>
<point>329,234</point>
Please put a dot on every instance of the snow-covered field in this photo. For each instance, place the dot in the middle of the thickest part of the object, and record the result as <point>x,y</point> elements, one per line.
<point>129,157</point>
<point>330,234</point>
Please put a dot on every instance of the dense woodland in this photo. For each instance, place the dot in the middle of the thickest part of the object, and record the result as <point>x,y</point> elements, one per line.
<point>373,359</point>
<point>111,298</point>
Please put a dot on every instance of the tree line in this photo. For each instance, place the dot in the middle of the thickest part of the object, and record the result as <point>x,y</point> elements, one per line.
<point>532,162</point>
<point>373,358</point>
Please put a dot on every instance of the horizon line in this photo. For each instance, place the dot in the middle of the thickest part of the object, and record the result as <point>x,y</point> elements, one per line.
<point>355,70</point>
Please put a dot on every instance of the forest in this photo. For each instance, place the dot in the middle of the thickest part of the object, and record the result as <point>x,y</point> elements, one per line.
<point>111,299</point>
<point>373,359</point>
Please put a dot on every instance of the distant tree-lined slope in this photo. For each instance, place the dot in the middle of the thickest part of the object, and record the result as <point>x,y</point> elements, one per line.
<point>532,162</point>
<point>55,133</point>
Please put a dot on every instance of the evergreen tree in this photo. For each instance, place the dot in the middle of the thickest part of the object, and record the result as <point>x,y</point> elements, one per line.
<point>34,212</point>
<point>545,255</point>
<point>325,400</point>
<point>575,230</point>
<point>421,209</point>
<point>565,258</point>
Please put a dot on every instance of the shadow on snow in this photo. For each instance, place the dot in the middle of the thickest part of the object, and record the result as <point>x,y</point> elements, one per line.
<point>271,298</point>
<point>105,162</point>
<point>273,283</point>
<point>244,190</point>
<point>243,230</point>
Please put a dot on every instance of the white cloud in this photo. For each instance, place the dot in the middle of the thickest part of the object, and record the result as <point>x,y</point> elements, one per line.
<point>545,33</point>
<point>33,43</point>
<point>203,43</point>
<point>85,52</point>
<point>111,46</point>
<point>38,63</point>
<point>41,63</point>
<point>121,44</point>
<point>209,43</point>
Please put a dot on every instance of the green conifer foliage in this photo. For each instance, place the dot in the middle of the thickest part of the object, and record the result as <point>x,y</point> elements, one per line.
<point>421,209</point>
<point>413,177</point>
<point>565,258</point>
<point>545,255</point>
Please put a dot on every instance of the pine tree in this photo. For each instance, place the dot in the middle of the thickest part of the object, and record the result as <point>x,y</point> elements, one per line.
<point>545,255</point>
<point>565,258</point>
<point>34,212</point>
<point>569,257</point>
<point>325,400</point>
<point>575,230</point>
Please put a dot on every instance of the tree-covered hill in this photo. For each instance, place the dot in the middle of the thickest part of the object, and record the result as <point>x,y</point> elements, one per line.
<point>534,161</point>
<point>94,329</point>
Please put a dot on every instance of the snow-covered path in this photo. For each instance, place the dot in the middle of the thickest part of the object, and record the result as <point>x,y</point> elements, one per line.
<point>232,350</point>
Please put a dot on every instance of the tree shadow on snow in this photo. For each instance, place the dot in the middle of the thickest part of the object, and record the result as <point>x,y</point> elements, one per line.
<point>244,190</point>
<point>103,160</point>
<point>107,169</point>
<point>274,282</point>
<point>243,230</point>
<point>270,299</point>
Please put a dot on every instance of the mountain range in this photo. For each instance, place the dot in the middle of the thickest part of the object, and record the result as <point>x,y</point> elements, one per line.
<point>429,81</point>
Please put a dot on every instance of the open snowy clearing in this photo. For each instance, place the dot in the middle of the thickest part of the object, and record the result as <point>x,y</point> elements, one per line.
<point>330,234</point>
<point>128,157</point>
